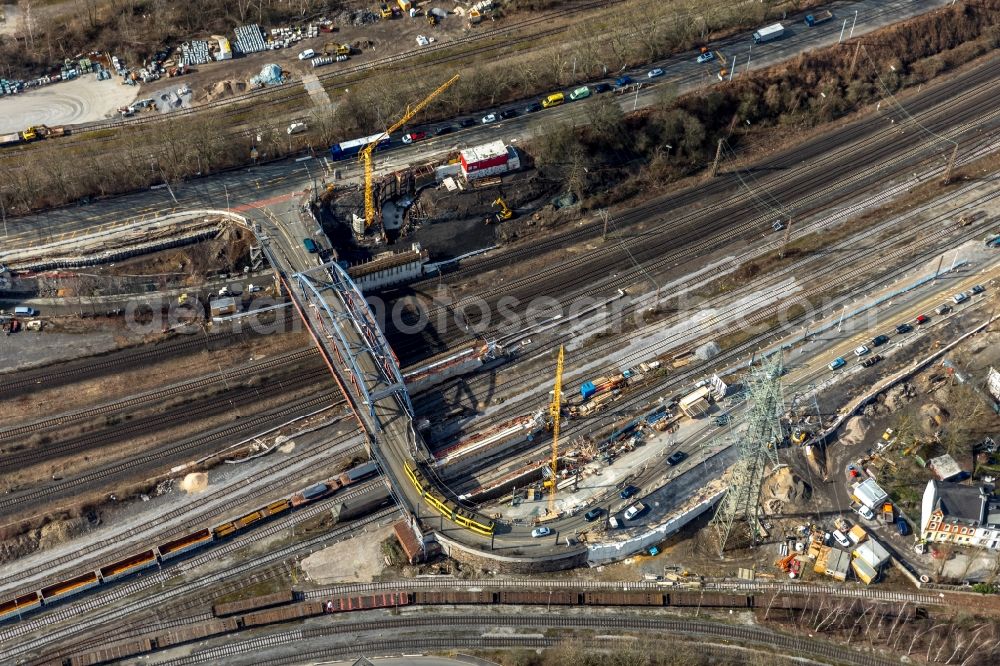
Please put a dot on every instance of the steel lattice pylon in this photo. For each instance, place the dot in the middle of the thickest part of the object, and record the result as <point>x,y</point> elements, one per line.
<point>758,442</point>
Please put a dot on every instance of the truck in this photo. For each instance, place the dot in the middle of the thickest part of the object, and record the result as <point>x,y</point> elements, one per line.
<point>600,385</point>
<point>32,133</point>
<point>768,33</point>
<point>813,20</point>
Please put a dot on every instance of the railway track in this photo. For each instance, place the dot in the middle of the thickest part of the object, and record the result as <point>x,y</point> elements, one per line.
<point>741,634</point>
<point>150,530</point>
<point>17,501</point>
<point>654,249</point>
<point>170,583</point>
<point>158,394</point>
<point>833,275</point>
<point>14,384</point>
<point>238,399</point>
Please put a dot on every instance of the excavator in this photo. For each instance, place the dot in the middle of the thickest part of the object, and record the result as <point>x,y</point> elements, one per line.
<point>505,212</point>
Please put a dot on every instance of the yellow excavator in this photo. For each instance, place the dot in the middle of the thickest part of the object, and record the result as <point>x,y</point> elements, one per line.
<point>505,212</point>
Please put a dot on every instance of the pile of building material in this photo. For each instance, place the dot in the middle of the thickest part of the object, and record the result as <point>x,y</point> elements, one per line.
<point>195,52</point>
<point>250,39</point>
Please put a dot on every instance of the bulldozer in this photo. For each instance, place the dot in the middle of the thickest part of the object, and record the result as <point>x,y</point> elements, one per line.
<point>504,214</point>
<point>335,49</point>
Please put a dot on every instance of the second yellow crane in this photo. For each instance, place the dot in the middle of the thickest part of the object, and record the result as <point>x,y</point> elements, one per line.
<point>366,152</point>
<point>555,410</point>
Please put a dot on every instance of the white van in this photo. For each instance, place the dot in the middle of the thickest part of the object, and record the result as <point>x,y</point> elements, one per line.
<point>25,311</point>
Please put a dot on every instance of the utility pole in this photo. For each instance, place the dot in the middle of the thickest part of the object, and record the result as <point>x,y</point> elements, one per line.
<point>604,215</point>
<point>788,237</point>
<point>951,165</point>
<point>854,62</point>
<point>749,53</point>
<point>842,29</point>
<point>853,23</point>
<point>715,163</point>
<point>937,271</point>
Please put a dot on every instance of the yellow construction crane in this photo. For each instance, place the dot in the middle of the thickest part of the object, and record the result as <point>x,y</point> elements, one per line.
<point>505,212</point>
<point>366,152</point>
<point>554,410</point>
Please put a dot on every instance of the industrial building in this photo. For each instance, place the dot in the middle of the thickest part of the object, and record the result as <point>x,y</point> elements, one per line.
<point>964,515</point>
<point>489,159</point>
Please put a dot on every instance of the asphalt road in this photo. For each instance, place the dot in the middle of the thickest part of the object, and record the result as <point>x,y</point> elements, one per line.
<point>245,186</point>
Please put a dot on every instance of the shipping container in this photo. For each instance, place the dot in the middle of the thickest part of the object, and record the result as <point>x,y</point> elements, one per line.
<point>184,544</point>
<point>253,603</point>
<point>283,614</point>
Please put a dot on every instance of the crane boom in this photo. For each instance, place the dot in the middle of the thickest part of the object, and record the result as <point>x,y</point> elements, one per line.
<point>366,152</point>
<point>555,410</point>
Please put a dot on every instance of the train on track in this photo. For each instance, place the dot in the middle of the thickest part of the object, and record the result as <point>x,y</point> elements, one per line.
<point>164,552</point>
<point>447,508</point>
<point>288,606</point>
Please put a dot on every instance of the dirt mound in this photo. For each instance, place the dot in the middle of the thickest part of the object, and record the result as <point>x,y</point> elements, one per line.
<point>785,486</point>
<point>898,396</point>
<point>855,430</point>
<point>60,531</point>
<point>223,89</point>
<point>195,482</point>
<point>932,417</point>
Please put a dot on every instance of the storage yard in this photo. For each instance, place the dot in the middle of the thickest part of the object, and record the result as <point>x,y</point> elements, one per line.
<point>626,375</point>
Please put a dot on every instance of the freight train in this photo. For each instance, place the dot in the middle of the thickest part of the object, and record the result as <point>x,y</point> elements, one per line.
<point>447,508</point>
<point>261,611</point>
<point>169,550</point>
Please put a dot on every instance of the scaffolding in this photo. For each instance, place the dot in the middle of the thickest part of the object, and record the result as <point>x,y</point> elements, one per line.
<point>759,434</point>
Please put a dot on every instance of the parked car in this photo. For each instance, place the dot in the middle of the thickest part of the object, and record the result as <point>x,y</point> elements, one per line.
<point>865,512</point>
<point>533,107</point>
<point>308,54</point>
<point>922,319</point>
<point>839,537</point>
<point>628,491</point>
<point>871,360</point>
<point>861,350</point>
<point>879,340</point>
<point>490,118</point>
<point>540,532</point>
<point>902,526</point>
<point>722,420</point>
<point>960,298</point>
<point>508,113</point>
<point>978,289</point>
<point>634,510</point>
<point>593,514</point>
<point>414,136</point>
<point>467,122</point>
<point>676,457</point>
<point>944,308</point>
<point>622,81</point>
<point>707,56</point>
<point>904,328</point>
<point>601,88</point>
<point>653,73</point>
<point>838,362</point>
<point>441,131</point>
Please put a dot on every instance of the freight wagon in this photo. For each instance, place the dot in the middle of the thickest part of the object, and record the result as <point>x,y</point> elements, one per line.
<point>15,608</point>
<point>196,632</point>
<point>283,614</point>
<point>113,653</point>
<point>253,603</point>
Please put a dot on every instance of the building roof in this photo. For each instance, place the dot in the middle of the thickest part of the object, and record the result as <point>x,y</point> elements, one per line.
<point>838,560</point>
<point>945,467</point>
<point>863,570</point>
<point>484,151</point>
<point>870,494</point>
<point>872,552</point>
<point>408,540</point>
<point>960,503</point>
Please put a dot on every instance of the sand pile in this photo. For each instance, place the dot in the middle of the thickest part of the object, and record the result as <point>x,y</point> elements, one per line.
<point>855,430</point>
<point>785,486</point>
<point>195,482</point>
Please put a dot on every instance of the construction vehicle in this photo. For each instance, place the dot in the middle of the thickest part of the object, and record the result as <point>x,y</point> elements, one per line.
<point>365,154</point>
<point>555,411</point>
<point>32,133</point>
<point>505,212</point>
<point>431,19</point>
<point>384,10</point>
<point>815,19</point>
<point>405,5</point>
<point>335,49</point>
